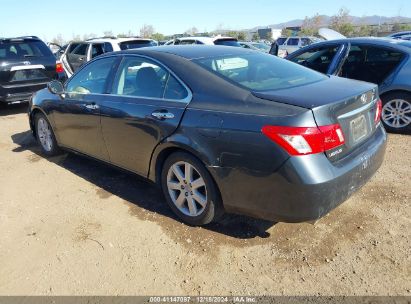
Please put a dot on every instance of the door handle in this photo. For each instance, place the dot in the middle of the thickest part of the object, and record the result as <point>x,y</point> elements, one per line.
<point>162,115</point>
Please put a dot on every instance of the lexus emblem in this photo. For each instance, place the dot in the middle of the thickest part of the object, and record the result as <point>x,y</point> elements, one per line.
<point>364,98</point>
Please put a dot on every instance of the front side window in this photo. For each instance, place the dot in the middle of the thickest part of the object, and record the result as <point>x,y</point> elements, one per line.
<point>92,79</point>
<point>81,49</point>
<point>141,77</point>
<point>260,72</point>
<point>318,59</point>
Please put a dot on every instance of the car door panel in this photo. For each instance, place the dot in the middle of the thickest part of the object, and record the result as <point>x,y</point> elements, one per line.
<point>77,124</point>
<point>131,131</point>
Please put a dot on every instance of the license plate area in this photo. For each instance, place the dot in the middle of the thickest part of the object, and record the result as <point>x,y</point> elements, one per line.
<point>358,128</point>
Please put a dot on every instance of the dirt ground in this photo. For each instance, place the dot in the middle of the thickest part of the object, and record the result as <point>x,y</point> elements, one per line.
<point>72,226</point>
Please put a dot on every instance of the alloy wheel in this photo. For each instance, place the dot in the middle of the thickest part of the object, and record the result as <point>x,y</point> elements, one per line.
<point>44,134</point>
<point>397,113</point>
<point>187,188</point>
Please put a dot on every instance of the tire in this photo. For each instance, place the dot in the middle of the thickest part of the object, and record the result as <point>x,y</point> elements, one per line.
<point>396,112</point>
<point>45,135</point>
<point>196,200</point>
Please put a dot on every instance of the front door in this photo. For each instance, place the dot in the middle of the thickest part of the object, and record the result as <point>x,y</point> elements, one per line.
<point>77,115</point>
<point>146,105</point>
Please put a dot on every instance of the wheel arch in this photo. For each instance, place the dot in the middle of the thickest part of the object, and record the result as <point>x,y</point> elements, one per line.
<point>163,151</point>
<point>33,113</point>
<point>395,91</point>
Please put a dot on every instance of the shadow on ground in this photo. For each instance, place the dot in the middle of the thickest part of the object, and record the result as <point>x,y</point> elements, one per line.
<point>12,109</point>
<point>137,190</point>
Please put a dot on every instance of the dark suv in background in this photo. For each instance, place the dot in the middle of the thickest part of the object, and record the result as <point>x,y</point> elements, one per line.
<point>26,66</point>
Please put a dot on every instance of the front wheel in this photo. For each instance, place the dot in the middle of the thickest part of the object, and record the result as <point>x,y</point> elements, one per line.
<point>396,112</point>
<point>189,190</point>
<point>45,136</point>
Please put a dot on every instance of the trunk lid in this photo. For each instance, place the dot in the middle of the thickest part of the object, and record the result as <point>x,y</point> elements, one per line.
<point>349,103</point>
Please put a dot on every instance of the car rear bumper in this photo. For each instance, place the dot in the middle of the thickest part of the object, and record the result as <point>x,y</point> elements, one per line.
<point>13,93</point>
<point>305,188</point>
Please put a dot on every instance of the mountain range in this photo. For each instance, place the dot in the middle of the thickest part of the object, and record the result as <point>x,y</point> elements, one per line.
<point>365,20</point>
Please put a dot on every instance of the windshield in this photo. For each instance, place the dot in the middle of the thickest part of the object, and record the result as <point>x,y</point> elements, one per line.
<point>281,40</point>
<point>20,49</point>
<point>262,46</point>
<point>227,42</point>
<point>136,44</point>
<point>260,72</point>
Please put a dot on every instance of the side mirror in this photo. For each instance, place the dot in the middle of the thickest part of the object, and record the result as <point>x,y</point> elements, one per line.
<point>55,87</point>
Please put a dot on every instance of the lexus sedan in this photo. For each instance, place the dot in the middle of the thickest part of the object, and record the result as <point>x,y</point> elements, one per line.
<point>219,129</point>
<point>386,62</point>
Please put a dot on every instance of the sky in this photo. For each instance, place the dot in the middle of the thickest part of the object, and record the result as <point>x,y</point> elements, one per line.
<point>48,18</point>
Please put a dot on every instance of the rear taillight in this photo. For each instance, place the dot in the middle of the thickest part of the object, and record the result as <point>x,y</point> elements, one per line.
<point>59,67</point>
<point>378,112</point>
<point>306,140</point>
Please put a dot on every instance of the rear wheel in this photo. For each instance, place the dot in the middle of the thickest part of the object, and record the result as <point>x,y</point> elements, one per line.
<point>189,190</point>
<point>396,112</point>
<point>45,136</point>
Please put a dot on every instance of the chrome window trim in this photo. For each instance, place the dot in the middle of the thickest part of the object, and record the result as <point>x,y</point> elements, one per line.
<point>185,100</point>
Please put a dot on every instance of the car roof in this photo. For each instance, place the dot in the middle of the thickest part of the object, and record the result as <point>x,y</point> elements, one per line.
<point>206,39</point>
<point>382,41</point>
<point>191,51</point>
<point>118,39</point>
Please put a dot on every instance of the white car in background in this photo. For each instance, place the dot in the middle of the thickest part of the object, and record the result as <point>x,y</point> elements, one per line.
<point>218,40</point>
<point>78,53</point>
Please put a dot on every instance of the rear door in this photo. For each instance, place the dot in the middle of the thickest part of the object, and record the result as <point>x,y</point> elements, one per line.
<point>78,56</point>
<point>146,105</point>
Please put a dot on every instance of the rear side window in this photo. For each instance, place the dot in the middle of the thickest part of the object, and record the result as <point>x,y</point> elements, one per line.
<point>187,42</point>
<point>260,72</point>
<point>92,78</point>
<point>136,44</point>
<point>318,59</point>
<point>227,42</point>
<point>370,63</point>
<point>97,50</point>
<point>140,77</point>
<point>293,41</point>
<point>72,47</point>
<point>23,49</point>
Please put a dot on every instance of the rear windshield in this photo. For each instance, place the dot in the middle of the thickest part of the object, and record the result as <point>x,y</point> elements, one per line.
<point>136,44</point>
<point>260,72</point>
<point>20,49</point>
<point>227,42</point>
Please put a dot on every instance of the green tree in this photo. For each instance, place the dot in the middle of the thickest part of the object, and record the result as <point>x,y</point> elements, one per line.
<point>286,32</point>
<point>157,36</point>
<point>146,31</point>
<point>342,22</point>
<point>311,25</point>
<point>255,37</point>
